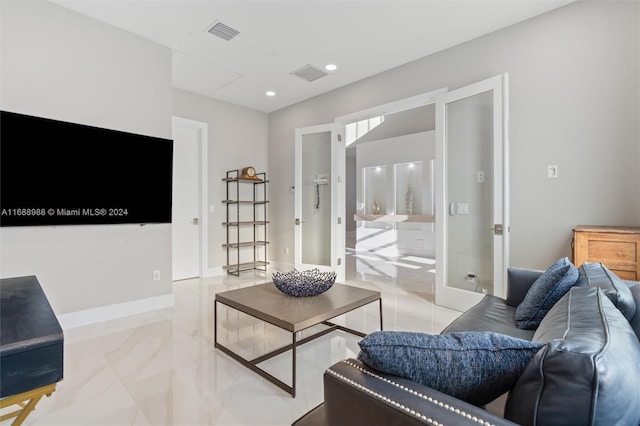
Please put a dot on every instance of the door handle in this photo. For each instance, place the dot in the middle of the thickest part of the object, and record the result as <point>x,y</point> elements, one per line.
<point>298,221</point>
<point>195,221</point>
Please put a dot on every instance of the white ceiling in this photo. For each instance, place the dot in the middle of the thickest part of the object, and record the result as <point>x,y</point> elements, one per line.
<point>362,37</point>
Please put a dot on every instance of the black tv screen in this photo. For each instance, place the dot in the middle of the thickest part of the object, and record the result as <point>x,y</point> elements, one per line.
<point>58,173</point>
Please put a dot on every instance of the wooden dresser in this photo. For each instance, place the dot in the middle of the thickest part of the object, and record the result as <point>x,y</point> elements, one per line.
<point>617,247</point>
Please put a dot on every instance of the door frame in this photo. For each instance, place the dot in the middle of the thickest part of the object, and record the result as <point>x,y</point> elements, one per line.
<point>417,101</point>
<point>429,98</point>
<point>202,129</point>
<point>423,99</point>
<point>452,297</point>
<point>337,185</point>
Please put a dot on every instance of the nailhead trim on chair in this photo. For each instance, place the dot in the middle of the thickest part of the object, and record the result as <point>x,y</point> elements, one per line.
<point>406,389</point>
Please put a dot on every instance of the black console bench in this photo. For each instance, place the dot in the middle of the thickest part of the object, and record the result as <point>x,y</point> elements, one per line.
<point>31,346</point>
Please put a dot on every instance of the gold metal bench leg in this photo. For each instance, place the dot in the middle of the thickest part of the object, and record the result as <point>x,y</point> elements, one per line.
<point>33,397</point>
<point>31,405</point>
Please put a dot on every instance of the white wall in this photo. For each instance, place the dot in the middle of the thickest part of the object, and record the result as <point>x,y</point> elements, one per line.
<point>237,138</point>
<point>574,94</point>
<point>62,65</point>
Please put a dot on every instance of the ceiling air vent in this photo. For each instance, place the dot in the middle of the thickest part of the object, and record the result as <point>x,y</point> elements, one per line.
<point>309,72</point>
<point>223,31</point>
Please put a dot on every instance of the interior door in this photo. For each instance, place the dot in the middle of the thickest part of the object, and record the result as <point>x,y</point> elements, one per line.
<point>472,208</point>
<point>319,228</point>
<point>185,216</point>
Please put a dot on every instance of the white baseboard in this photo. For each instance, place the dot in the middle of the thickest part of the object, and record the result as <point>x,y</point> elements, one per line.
<point>110,312</point>
<point>214,272</point>
<point>275,265</point>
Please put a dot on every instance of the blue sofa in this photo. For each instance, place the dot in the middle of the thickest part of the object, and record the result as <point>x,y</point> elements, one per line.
<point>587,372</point>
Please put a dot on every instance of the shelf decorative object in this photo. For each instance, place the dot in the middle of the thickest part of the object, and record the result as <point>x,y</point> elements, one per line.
<point>375,207</point>
<point>409,197</point>
<point>249,173</point>
<point>304,283</point>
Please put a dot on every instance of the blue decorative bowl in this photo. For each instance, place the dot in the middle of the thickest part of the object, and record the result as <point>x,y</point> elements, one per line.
<point>305,283</point>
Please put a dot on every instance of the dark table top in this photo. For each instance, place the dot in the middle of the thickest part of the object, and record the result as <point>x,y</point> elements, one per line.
<point>26,318</point>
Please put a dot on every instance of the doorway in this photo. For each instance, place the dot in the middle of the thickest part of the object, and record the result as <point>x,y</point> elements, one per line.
<point>472,151</point>
<point>319,199</point>
<point>189,213</point>
<point>391,242</point>
<point>392,217</point>
<point>471,134</point>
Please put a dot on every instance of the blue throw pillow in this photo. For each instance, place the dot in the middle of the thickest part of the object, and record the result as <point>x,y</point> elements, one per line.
<point>554,283</point>
<point>476,367</point>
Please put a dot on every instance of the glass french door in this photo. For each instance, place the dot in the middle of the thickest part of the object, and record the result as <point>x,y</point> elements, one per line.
<point>472,208</point>
<point>319,228</point>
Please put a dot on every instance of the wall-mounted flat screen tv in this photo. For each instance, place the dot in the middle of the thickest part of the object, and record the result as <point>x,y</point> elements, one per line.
<point>58,173</point>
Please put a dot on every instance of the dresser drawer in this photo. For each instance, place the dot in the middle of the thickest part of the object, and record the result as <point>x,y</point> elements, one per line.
<point>618,248</point>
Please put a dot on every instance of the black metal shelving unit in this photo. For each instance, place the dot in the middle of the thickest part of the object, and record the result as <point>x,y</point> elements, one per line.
<point>245,253</point>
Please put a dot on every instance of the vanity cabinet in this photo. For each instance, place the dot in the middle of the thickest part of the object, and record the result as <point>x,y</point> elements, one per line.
<point>617,247</point>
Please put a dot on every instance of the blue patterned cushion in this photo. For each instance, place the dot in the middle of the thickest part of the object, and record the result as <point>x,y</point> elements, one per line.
<point>545,292</point>
<point>476,367</point>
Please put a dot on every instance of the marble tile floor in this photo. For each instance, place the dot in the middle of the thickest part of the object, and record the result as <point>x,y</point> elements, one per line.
<point>416,274</point>
<point>160,367</point>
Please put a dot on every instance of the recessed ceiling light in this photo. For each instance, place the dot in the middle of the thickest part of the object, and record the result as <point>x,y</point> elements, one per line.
<point>270,93</point>
<point>330,67</point>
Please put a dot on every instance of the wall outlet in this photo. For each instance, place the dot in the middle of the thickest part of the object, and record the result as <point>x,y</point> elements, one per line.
<point>156,275</point>
<point>471,277</point>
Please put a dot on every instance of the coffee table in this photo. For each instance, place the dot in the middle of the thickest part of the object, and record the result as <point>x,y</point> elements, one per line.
<point>294,314</point>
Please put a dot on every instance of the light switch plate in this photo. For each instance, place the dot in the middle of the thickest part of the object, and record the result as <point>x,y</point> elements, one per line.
<point>552,171</point>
